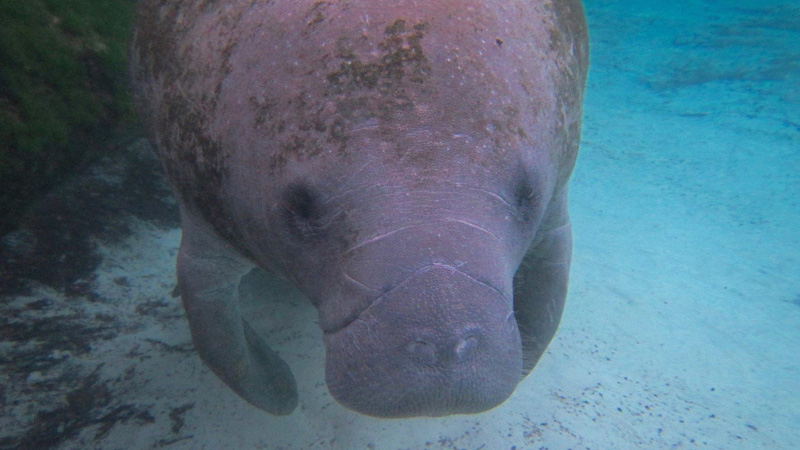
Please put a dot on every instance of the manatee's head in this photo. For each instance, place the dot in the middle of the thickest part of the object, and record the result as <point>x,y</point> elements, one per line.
<point>413,280</point>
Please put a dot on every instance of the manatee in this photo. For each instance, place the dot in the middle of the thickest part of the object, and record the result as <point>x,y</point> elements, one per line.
<point>403,164</point>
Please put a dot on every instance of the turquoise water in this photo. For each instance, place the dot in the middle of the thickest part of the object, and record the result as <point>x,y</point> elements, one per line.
<point>686,210</point>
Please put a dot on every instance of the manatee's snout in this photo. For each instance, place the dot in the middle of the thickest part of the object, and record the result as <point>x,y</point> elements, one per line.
<point>441,342</point>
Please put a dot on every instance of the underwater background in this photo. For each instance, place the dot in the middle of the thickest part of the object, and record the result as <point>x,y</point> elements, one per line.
<point>682,324</point>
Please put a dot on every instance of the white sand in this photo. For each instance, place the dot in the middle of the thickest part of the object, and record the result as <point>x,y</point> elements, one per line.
<point>682,327</point>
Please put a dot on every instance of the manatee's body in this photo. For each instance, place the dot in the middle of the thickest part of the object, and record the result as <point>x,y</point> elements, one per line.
<point>403,163</point>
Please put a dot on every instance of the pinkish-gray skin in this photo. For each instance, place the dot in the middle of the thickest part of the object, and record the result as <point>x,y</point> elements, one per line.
<point>403,163</point>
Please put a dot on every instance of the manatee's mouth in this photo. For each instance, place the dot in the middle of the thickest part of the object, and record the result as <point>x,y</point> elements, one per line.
<point>439,342</point>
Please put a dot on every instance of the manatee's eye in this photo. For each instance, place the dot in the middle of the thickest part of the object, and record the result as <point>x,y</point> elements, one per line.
<point>526,200</point>
<point>301,210</point>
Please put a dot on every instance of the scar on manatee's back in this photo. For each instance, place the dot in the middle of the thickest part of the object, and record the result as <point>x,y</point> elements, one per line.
<point>351,88</point>
<point>402,59</point>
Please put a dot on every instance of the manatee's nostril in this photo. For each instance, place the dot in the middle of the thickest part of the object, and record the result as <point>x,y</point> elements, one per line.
<point>466,347</point>
<point>422,350</point>
<point>445,350</point>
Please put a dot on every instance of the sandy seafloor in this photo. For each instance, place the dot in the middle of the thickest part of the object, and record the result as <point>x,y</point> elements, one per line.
<point>682,327</point>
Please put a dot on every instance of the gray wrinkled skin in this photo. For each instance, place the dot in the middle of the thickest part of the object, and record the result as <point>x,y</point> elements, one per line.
<point>403,163</point>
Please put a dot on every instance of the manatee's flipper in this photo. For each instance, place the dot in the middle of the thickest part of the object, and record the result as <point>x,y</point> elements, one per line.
<point>209,271</point>
<point>540,288</point>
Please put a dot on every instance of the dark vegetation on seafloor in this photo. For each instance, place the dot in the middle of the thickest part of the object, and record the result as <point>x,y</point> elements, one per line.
<point>63,93</point>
